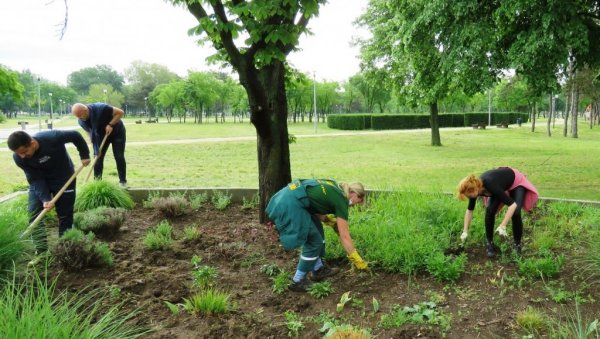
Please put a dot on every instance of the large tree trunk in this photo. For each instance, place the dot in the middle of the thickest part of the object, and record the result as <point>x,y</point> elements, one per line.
<point>436,140</point>
<point>268,107</point>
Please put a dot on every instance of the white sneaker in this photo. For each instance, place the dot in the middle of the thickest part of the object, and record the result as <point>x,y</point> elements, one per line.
<point>123,185</point>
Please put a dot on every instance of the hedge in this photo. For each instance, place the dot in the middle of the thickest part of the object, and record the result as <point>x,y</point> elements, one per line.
<point>414,121</point>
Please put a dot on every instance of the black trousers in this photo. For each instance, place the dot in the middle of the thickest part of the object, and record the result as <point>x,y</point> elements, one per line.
<point>518,195</point>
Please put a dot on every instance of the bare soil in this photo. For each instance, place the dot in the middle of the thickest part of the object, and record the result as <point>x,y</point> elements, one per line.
<point>481,303</point>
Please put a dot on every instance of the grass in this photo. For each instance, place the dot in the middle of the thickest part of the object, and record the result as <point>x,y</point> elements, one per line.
<point>559,167</point>
<point>34,308</point>
<point>99,193</point>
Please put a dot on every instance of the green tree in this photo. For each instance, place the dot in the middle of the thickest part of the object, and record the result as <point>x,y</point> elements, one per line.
<point>255,37</point>
<point>105,93</point>
<point>11,90</point>
<point>82,79</point>
<point>142,78</point>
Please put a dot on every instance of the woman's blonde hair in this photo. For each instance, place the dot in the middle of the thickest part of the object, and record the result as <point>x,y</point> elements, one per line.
<point>470,184</point>
<point>355,187</point>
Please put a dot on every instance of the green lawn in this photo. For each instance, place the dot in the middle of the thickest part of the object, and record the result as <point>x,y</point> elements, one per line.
<point>559,167</point>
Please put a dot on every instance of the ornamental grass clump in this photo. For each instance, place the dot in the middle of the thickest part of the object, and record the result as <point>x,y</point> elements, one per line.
<point>13,222</point>
<point>32,307</point>
<point>76,250</point>
<point>102,193</point>
<point>103,221</point>
<point>403,231</point>
<point>220,200</point>
<point>159,238</point>
<point>208,302</point>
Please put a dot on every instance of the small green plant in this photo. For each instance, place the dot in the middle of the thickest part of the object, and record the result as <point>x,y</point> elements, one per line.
<point>204,276</point>
<point>545,267</point>
<point>281,281</point>
<point>159,238</point>
<point>208,302</point>
<point>250,203</point>
<point>445,268</point>
<point>321,290</point>
<point>422,313</point>
<point>115,292</point>
<point>220,200</point>
<point>532,320</point>
<point>343,300</point>
<point>152,197</point>
<point>198,199</point>
<point>270,270</point>
<point>558,294</point>
<point>99,193</point>
<point>191,233</point>
<point>174,308</point>
<point>344,331</point>
<point>293,323</point>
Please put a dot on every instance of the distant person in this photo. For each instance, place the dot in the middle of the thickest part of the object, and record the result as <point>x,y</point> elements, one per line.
<point>503,185</point>
<point>48,167</point>
<point>297,211</point>
<point>98,120</point>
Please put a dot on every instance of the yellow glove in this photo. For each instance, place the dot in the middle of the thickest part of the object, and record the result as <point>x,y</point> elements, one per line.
<point>330,220</point>
<point>358,262</point>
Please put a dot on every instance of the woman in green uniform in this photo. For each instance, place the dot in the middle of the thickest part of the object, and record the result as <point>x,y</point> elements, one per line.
<point>297,211</point>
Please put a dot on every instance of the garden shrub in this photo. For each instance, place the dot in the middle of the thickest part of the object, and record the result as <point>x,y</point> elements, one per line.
<point>159,238</point>
<point>208,302</point>
<point>446,268</point>
<point>102,193</point>
<point>220,200</point>
<point>76,250</point>
<point>547,266</point>
<point>103,221</point>
<point>173,206</point>
<point>349,121</point>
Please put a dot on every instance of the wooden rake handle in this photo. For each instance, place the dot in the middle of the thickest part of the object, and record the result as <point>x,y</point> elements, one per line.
<point>29,229</point>
<point>96,158</point>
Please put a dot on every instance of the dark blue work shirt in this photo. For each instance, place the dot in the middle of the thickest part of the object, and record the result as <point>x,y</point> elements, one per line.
<point>100,115</point>
<point>50,167</point>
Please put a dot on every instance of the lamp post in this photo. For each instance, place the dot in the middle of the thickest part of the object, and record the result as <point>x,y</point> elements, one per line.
<point>50,121</point>
<point>39,107</point>
<point>315,100</point>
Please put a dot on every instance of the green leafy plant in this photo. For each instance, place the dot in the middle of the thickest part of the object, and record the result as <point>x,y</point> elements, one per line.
<point>281,281</point>
<point>545,267</point>
<point>191,233</point>
<point>220,200</point>
<point>422,313</point>
<point>152,197</point>
<point>321,290</point>
<point>99,193</point>
<point>343,300</point>
<point>208,302</point>
<point>198,199</point>
<point>293,323</point>
<point>446,268</point>
<point>250,203</point>
<point>174,308</point>
<point>160,237</point>
<point>204,276</point>
<point>270,270</point>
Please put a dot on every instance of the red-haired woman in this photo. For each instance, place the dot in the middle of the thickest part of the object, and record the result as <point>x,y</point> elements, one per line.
<point>503,185</point>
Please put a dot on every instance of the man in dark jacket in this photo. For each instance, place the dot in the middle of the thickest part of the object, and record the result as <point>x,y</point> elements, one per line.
<point>98,120</point>
<point>48,167</point>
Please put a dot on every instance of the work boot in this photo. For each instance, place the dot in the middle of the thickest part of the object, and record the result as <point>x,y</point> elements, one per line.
<point>491,252</point>
<point>324,272</point>
<point>301,286</point>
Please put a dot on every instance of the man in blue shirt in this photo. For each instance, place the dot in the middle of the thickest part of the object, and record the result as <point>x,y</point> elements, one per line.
<point>98,120</point>
<point>48,167</point>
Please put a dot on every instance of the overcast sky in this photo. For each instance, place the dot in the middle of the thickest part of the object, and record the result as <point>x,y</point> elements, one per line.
<point>117,32</point>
